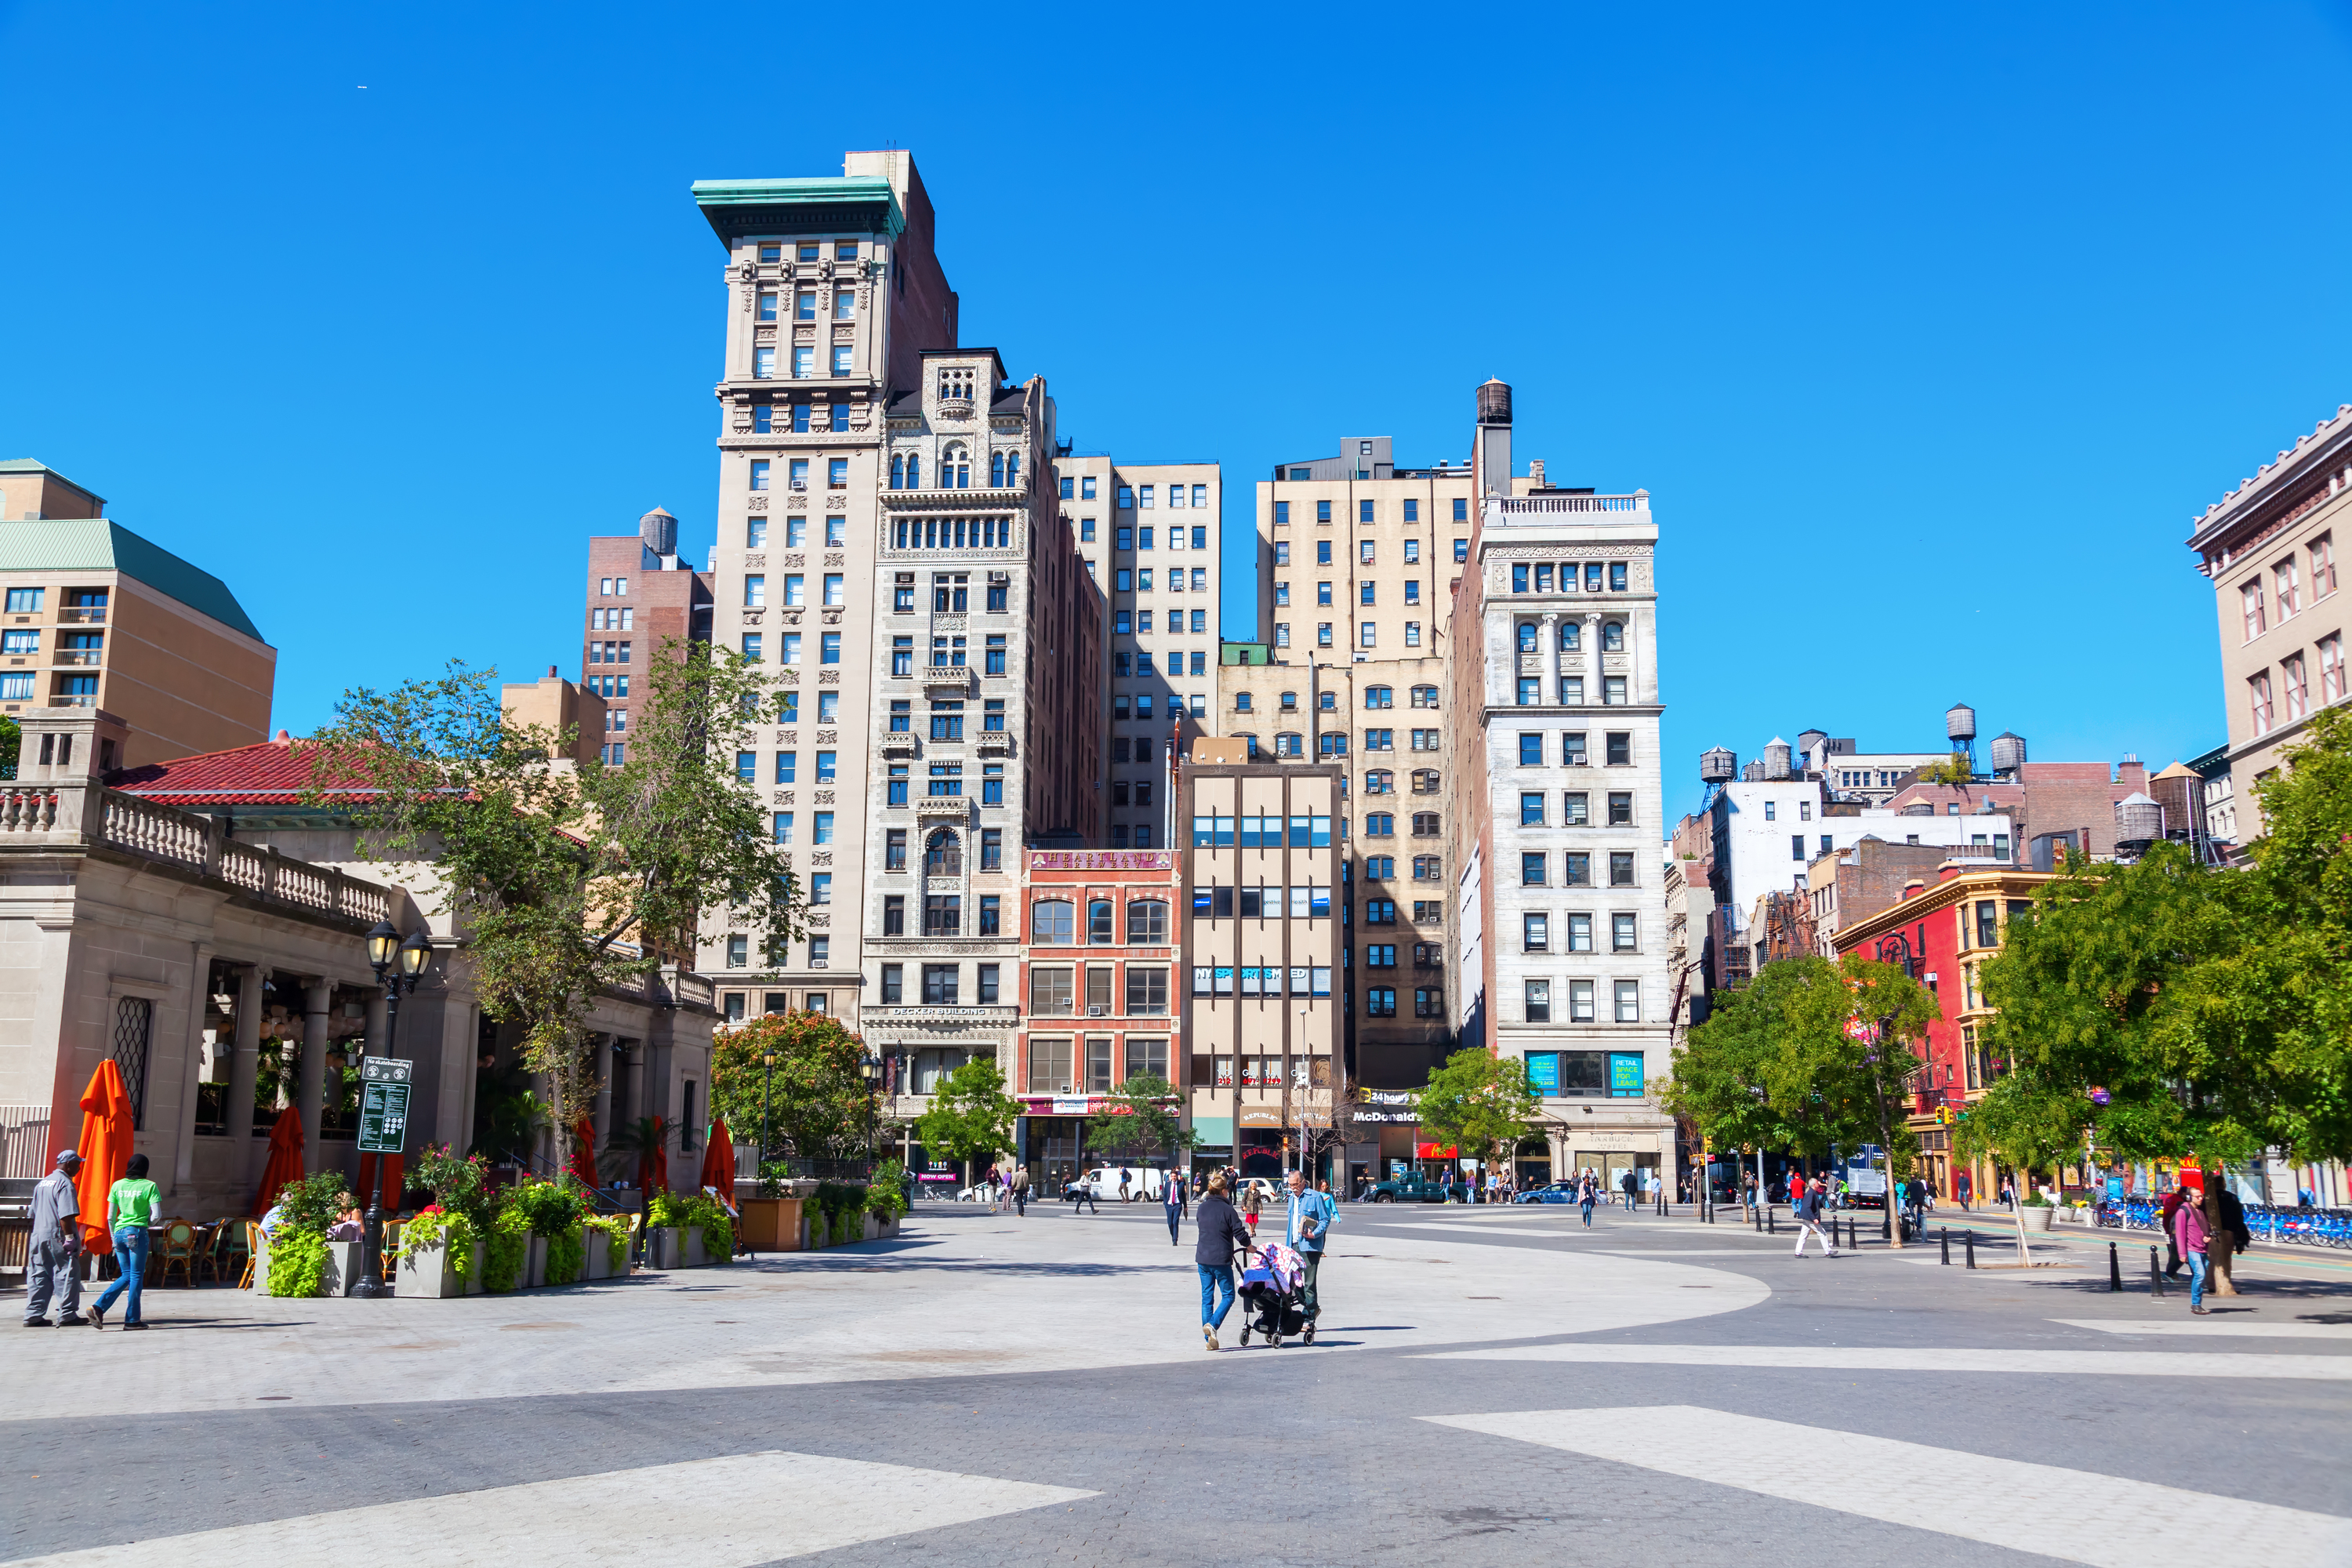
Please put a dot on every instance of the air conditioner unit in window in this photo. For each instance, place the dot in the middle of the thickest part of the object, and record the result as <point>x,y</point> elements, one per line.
<point>1097,1012</point>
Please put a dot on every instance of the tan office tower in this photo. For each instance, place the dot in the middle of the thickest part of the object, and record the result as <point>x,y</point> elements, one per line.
<point>1356,561</point>
<point>1562,933</point>
<point>1149,535</point>
<point>885,549</point>
<point>1264,941</point>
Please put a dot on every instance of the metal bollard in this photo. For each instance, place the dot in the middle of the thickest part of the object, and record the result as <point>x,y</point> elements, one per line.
<point>2155,1273</point>
<point>1852,1244</point>
<point>1968,1240</point>
<point>1771,1220</point>
<point>2115,1269</point>
<point>1944,1232</point>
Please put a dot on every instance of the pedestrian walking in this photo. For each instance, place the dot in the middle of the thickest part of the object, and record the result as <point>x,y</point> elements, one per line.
<point>1587,1191</point>
<point>1251,1201</point>
<point>1220,1235</point>
<point>1172,1202</point>
<point>130,1210</point>
<point>53,1257</point>
<point>1309,1225</point>
<point>2188,1231</point>
<point>1809,1221</point>
<point>1021,1192</point>
<point>1083,1192</point>
<point>1184,1192</point>
<point>1626,1183</point>
<point>1963,1187</point>
<point>2225,1234</point>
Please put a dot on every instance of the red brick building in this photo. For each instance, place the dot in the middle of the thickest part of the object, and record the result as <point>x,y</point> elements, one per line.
<point>1946,927</point>
<point>2078,799</point>
<point>639,597</point>
<point>1101,969</point>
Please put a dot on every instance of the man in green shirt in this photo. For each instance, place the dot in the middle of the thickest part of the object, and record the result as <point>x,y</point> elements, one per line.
<point>130,1210</point>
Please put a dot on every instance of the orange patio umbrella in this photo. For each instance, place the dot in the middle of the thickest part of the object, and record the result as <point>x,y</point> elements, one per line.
<point>285,1158</point>
<point>653,1169</point>
<point>719,1160</point>
<point>583,1151</point>
<point>105,1151</point>
<point>395,1179</point>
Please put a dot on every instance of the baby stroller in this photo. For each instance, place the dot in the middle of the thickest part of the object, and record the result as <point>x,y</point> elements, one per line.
<point>1270,1295</point>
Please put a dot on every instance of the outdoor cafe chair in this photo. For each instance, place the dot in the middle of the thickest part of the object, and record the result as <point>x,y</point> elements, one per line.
<point>252,1249</point>
<point>179,1251</point>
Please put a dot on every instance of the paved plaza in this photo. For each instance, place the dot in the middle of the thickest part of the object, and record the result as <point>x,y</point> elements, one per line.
<point>1489,1386</point>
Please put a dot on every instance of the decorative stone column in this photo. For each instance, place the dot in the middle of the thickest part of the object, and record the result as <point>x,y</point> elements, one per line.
<point>200,990</point>
<point>316,996</point>
<point>245,1063</point>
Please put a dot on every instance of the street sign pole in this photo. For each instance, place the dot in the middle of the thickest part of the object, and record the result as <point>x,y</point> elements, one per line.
<point>384,1130</point>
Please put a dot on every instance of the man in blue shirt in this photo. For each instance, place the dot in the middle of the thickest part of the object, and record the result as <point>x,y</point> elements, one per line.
<point>1310,1216</point>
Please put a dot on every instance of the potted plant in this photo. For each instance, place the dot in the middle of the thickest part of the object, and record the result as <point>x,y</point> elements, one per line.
<point>439,1252</point>
<point>772,1217</point>
<point>605,1239</point>
<point>300,1260</point>
<point>665,1230</point>
<point>2034,1212</point>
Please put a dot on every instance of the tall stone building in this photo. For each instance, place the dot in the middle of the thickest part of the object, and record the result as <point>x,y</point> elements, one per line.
<point>1148,534</point>
<point>1357,558</point>
<point>887,547</point>
<point>1564,937</point>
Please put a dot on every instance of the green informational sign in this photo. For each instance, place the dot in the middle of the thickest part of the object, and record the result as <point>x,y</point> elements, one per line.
<point>1625,1073</point>
<point>383,1105</point>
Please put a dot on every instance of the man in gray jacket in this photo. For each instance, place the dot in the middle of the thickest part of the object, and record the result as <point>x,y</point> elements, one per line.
<point>53,1261</point>
<point>1809,1221</point>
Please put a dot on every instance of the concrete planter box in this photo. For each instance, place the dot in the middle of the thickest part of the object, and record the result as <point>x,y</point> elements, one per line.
<point>2036,1219</point>
<point>474,1286</point>
<point>690,1249</point>
<point>343,1270</point>
<point>426,1273</point>
<point>534,1263</point>
<point>598,1263</point>
<point>770,1224</point>
<point>662,1243</point>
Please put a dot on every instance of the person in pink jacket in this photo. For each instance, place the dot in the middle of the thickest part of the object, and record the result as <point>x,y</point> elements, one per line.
<point>2189,1233</point>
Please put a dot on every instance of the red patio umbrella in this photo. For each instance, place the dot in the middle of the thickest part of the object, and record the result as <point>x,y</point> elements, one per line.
<point>105,1151</point>
<point>395,1179</point>
<point>285,1158</point>
<point>583,1150</point>
<point>718,1161</point>
<point>653,1169</point>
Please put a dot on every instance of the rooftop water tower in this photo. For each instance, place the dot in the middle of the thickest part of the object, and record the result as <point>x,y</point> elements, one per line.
<point>1960,729</point>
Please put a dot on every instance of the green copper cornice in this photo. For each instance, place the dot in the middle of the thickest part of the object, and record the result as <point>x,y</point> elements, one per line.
<point>739,207</point>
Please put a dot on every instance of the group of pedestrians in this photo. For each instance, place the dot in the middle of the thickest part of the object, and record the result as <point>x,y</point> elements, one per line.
<point>2206,1230</point>
<point>1222,1235</point>
<point>53,1252</point>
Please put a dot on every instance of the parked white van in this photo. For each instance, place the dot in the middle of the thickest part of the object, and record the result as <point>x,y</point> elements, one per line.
<point>1142,1181</point>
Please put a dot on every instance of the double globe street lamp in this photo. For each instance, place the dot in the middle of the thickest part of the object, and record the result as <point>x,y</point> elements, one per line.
<point>399,964</point>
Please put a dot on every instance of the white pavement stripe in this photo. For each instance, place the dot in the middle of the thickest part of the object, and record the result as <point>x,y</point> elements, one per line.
<point>2218,1322</point>
<point>728,1512</point>
<point>1929,1359</point>
<point>1466,1231</point>
<point>1688,1251</point>
<point>2078,1516</point>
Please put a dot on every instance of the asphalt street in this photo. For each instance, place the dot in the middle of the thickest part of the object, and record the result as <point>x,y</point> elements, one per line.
<point>1489,1386</point>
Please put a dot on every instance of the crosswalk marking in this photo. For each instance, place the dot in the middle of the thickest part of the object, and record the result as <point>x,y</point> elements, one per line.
<point>728,1513</point>
<point>2218,1322</point>
<point>1475,1227</point>
<point>2108,1522</point>
<point>1933,1359</point>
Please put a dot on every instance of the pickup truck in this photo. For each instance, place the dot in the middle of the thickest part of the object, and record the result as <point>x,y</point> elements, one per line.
<point>1411,1187</point>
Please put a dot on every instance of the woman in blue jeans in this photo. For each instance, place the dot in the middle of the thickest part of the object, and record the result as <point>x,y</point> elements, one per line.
<point>1221,1236</point>
<point>130,1210</point>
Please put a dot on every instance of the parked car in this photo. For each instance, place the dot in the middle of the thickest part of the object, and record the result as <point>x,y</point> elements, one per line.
<point>1143,1181</point>
<point>1550,1193</point>
<point>1411,1187</point>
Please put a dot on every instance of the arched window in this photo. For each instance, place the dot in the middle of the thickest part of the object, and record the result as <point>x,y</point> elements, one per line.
<point>1286,745</point>
<point>1147,921</point>
<point>1380,781</point>
<point>1013,468</point>
<point>1425,697</point>
<point>1380,696</point>
<point>1612,636</point>
<point>898,470</point>
<point>1049,922</point>
<point>1570,640</point>
<point>1099,922</point>
<point>1526,637</point>
<point>914,470</point>
<point>955,468</point>
<point>996,471</point>
<point>943,854</point>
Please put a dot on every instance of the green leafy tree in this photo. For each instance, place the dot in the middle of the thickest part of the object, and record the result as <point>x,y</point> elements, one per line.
<point>818,1105</point>
<point>2210,1009</point>
<point>1481,1103</point>
<point>12,740</point>
<point>567,879</point>
<point>1809,1055</point>
<point>1953,771</point>
<point>1138,1118</point>
<point>971,1116</point>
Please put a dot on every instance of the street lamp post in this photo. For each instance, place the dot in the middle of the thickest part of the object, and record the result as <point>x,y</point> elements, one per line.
<point>398,966</point>
<point>870,1065</point>
<point>1888,1225</point>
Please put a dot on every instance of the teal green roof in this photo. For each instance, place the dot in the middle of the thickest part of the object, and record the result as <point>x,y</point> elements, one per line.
<point>736,208</point>
<point>103,544</point>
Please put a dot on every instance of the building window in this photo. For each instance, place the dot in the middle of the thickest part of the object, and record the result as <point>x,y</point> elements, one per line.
<point>942,915</point>
<point>1620,747</point>
<point>1531,809</point>
<point>1620,935</point>
<point>1538,1001</point>
<point>1530,690</point>
<point>1146,990</point>
<point>894,980</point>
<point>1575,808</point>
<point>1535,933</point>
<point>739,952</point>
<point>897,783</point>
<point>1621,868</point>
<point>1629,1001</point>
<point>941,983</point>
<point>2250,597</point>
<point>1531,871</point>
<point>2258,694</point>
<point>2298,687</point>
<point>1579,1001</point>
<point>2331,669</point>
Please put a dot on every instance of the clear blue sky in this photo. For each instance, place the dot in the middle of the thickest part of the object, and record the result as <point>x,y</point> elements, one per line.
<point>1928,332</point>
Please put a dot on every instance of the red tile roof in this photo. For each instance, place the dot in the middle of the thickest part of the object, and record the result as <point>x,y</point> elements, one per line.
<point>271,772</point>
